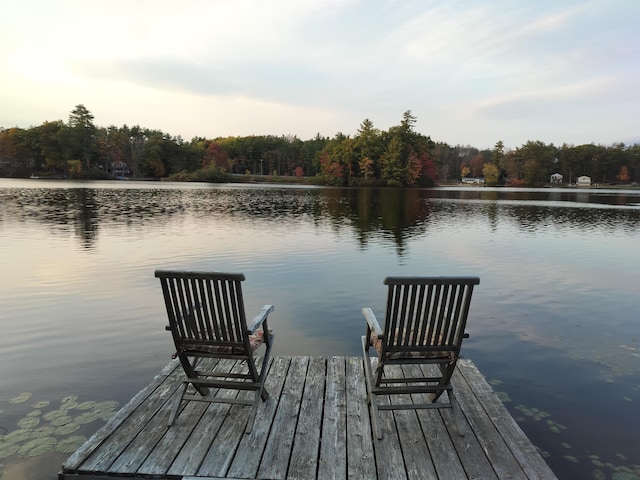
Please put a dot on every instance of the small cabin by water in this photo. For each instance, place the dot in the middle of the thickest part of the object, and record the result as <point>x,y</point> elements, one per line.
<point>584,181</point>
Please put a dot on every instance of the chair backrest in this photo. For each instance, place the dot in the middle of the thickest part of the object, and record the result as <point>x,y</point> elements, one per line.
<point>427,315</point>
<point>205,308</point>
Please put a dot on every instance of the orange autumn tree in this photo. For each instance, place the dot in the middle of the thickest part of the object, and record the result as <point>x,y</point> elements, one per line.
<point>420,170</point>
<point>623,176</point>
<point>216,157</point>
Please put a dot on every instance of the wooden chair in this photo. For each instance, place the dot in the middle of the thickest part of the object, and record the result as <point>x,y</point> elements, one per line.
<point>424,324</point>
<point>207,321</point>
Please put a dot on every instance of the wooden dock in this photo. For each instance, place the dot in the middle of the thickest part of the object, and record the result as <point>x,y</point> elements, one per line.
<point>315,425</point>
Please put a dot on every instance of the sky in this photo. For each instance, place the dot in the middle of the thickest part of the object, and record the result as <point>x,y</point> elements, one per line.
<point>472,72</point>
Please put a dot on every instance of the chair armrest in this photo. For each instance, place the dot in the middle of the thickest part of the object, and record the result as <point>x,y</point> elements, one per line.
<point>260,318</point>
<point>372,321</point>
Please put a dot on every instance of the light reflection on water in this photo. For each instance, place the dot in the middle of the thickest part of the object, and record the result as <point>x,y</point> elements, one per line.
<point>553,322</point>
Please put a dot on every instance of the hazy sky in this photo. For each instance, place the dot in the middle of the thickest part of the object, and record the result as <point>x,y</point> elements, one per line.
<point>471,71</point>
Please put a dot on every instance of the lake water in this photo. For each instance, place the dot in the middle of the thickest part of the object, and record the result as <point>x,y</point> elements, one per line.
<point>554,323</point>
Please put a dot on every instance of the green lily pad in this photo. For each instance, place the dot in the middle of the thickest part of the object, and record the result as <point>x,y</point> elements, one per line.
<point>53,414</point>
<point>503,397</point>
<point>17,436</point>
<point>86,417</point>
<point>87,405</point>
<point>23,397</point>
<point>70,398</point>
<point>38,446</point>
<point>71,444</point>
<point>37,443</point>
<point>625,476</point>
<point>44,431</point>
<point>105,410</point>
<point>61,420</point>
<point>8,450</point>
<point>40,450</point>
<point>28,422</point>
<point>41,404</point>
<point>599,475</point>
<point>67,429</point>
<point>106,406</point>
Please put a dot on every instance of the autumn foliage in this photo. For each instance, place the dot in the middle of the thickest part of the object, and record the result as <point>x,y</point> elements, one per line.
<point>399,156</point>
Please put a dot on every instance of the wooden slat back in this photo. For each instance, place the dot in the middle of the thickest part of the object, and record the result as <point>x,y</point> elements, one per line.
<point>204,308</point>
<point>427,314</point>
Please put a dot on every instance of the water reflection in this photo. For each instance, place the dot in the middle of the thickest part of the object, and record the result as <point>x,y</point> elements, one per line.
<point>394,215</point>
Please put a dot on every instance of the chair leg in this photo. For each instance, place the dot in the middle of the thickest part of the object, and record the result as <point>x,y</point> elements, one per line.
<point>371,397</point>
<point>445,378</point>
<point>190,372</point>
<point>374,419</point>
<point>261,394</point>
<point>456,414</point>
<point>264,394</point>
<point>252,415</point>
<point>176,405</point>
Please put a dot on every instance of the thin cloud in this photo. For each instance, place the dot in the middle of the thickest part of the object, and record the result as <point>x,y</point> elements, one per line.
<point>466,69</point>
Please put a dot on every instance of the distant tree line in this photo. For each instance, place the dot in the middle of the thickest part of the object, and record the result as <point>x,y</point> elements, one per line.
<point>399,156</point>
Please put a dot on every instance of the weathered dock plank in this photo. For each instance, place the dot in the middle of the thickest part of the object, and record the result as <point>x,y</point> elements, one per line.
<point>249,453</point>
<point>360,460</point>
<point>316,424</point>
<point>303,463</point>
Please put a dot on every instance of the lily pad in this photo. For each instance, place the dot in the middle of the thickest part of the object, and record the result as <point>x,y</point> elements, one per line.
<point>41,404</point>
<point>43,431</point>
<point>86,417</point>
<point>17,436</point>
<point>625,476</point>
<point>70,398</point>
<point>105,410</point>
<point>38,446</point>
<point>40,450</point>
<point>87,405</point>
<point>71,444</point>
<point>8,450</point>
<point>28,422</point>
<point>23,397</point>
<point>61,420</point>
<point>53,414</point>
<point>37,442</point>
<point>599,475</point>
<point>503,397</point>
<point>67,429</point>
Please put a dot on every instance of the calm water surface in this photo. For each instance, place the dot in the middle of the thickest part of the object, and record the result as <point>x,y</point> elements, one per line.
<point>554,323</point>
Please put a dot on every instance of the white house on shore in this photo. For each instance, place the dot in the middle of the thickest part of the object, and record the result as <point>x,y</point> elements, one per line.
<point>556,178</point>
<point>584,181</point>
<point>475,180</point>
